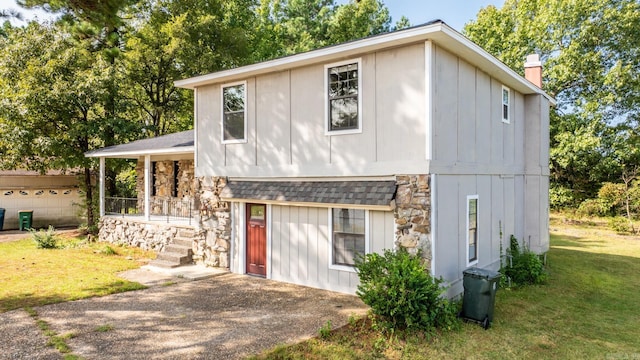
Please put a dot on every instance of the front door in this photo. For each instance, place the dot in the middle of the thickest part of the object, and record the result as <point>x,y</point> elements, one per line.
<point>257,239</point>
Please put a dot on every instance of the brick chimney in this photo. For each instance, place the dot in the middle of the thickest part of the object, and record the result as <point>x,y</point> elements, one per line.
<point>533,70</point>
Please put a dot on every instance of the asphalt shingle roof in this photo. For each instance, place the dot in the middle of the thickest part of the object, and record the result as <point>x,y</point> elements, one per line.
<point>375,193</point>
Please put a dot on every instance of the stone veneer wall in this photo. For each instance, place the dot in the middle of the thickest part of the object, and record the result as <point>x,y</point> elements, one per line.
<point>145,235</point>
<point>164,179</point>
<point>413,214</point>
<point>214,245</point>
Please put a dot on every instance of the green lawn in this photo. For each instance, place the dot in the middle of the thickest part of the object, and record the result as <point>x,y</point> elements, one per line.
<point>588,310</point>
<point>34,277</point>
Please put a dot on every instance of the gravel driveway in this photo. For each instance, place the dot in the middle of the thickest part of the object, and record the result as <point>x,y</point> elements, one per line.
<point>225,317</point>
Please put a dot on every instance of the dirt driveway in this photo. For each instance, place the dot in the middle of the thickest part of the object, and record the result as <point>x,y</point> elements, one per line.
<point>225,317</point>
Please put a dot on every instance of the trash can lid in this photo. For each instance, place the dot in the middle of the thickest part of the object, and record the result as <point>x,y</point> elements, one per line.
<point>481,273</point>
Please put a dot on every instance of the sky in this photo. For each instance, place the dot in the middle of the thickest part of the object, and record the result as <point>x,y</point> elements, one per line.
<point>455,13</point>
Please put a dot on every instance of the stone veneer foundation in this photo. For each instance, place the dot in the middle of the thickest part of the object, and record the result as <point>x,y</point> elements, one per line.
<point>214,223</point>
<point>413,215</point>
<point>133,232</point>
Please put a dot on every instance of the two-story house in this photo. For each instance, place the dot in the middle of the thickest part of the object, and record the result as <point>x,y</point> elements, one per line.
<point>416,138</point>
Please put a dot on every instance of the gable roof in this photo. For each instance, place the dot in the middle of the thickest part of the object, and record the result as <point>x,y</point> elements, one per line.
<point>439,32</point>
<point>176,143</point>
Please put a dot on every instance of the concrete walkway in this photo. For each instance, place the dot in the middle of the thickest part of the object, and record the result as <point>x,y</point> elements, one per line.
<point>226,316</point>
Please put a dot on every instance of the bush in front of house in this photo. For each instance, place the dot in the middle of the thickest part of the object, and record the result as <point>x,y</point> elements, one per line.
<point>45,239</point>
<point>402,294</point>
<point>524,267</point>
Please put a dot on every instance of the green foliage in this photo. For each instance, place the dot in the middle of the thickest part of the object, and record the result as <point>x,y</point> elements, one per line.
<point>401,293</point>
<point>108,250</point>
<point>45,239</point>
<point>620,225</point>
<point>104,328</point>
<point>523,266</point>
<point>325,330</point>
<point>592,207</point>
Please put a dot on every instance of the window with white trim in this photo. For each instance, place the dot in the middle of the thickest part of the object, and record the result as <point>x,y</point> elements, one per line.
<point>343,97</point>
<point>472,229</point>
<point>349,236</point>
<point>234,113</point>
<point>506,101</point>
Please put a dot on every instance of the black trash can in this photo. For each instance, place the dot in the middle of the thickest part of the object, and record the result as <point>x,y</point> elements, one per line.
<point>480,288</point>
<point>1,218</point>
<point>25,218</point>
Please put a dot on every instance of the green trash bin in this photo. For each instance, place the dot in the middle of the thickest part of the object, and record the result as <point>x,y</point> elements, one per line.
<point>480,288</point>
<point>25,218</point>
<point>1,218</point>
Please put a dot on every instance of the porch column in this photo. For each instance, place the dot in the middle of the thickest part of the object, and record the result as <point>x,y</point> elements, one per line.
<point>101,186</point>
<point>147,186</point>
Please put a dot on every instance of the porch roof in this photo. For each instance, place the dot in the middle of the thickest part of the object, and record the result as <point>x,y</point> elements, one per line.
<point>171,144</point>
<point>358,194</point>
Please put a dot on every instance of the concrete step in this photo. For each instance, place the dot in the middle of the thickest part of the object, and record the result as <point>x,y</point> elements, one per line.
<point>163,264</point>
<point>186,233</point>
<point>182,241</point>
<point>177,258</point>
<point>179,249</point>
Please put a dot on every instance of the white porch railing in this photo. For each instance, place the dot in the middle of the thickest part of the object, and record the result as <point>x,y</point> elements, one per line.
<point>162,209</point>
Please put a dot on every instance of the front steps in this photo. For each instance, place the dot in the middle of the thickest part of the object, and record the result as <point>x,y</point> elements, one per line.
<point>178,253</point>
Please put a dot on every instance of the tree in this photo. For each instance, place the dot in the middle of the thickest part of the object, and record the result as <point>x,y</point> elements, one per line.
<point>590,52</point>
<point>51,112</point>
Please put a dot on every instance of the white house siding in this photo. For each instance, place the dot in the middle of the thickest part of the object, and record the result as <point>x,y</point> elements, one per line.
<point>298,250</point>
<point>475,153</point>
<point>286,123</point>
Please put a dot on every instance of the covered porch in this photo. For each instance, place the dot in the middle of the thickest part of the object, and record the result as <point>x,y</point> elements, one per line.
<point>164,206</point>
<point>165,179</point>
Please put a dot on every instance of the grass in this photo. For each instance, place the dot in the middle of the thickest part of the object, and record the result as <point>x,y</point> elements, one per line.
<point>587,310</point>
<point>76,270</point>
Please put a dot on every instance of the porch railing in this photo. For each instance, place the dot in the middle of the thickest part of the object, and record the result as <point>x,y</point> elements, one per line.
<point>162,209</point>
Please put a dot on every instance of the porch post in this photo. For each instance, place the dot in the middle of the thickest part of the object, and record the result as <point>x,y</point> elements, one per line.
<point>147,186</point>
<point>101,186</point>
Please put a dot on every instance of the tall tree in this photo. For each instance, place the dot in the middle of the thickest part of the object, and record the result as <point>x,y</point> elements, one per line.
<point>590,53</point>
<point>51,112</point>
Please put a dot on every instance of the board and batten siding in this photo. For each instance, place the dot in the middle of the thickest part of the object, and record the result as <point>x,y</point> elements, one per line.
<point>286,123</point>
<point>300,245</point>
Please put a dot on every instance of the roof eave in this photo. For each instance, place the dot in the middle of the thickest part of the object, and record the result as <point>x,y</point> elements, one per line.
<point>138,153</point>
<point>445,36</point>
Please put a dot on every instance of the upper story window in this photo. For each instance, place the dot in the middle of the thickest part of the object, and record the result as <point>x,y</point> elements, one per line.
<point>343,94</point>
<point>348,237</point>
<point>234,113</point>
<point>472,229</point>
<point>506,103</point>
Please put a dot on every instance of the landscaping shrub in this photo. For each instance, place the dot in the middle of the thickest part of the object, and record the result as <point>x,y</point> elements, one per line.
<point>525,267</point>
<point>45,239</point>
<point>621,225</point>
<point>401,293</point>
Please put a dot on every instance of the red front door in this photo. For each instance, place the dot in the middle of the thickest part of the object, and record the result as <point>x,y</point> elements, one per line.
<point>257,239</point>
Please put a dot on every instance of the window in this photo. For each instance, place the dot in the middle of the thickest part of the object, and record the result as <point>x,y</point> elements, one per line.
<point>234,113</point>
<point>342,89</point>
<point>472,229</point>
<point>506,97</point>
<point>153,178</point>
<point>348,237</point>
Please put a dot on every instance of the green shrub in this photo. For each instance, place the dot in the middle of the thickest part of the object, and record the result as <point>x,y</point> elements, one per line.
<point>45,239</point>
<point>401,294</point>
<point>525,267</point>
<point>620,225</point>
<point>592,207</point>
